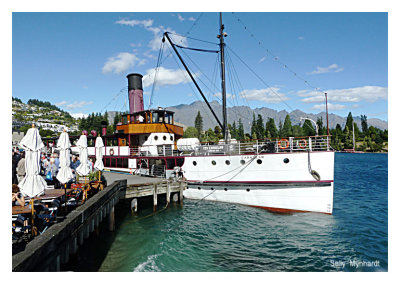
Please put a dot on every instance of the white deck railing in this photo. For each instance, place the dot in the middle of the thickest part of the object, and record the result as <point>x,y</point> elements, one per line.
<point>289,144</point>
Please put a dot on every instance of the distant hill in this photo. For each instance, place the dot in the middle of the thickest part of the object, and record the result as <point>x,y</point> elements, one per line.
<point>38,111</point>
<point>186,114</point>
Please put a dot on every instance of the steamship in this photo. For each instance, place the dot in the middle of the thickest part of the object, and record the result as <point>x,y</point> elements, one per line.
<point>291,174</point>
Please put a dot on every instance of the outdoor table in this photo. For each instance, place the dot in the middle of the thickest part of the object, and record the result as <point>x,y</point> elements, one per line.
<point>21,210</point>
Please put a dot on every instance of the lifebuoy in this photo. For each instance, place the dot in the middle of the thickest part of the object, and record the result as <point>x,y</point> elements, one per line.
<point>286,144</point>
<point>302,143</point>
<point>112,152</point>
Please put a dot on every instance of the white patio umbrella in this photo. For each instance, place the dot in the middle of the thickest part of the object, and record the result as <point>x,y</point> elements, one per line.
<point>32,184</point>
<point>99,145</point>
<point>83,169</point>
<point>65,172</point>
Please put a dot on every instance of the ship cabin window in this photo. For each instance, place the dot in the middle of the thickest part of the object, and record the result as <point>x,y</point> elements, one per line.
<point>112,142</point>
<point>125,119</point>
<point>148,118</point>
<point>179,162</point>
<point>168,118</point>
<point>155,117</point>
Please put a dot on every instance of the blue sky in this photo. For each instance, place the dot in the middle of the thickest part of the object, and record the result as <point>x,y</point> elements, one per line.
<point>79,61</point>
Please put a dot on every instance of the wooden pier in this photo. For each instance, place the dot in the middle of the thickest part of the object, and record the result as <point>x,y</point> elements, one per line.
<point>48,251</point>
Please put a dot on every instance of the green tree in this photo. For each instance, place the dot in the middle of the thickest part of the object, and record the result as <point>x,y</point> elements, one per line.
<point>349,121</point>
<point>240,131</point>
<point>218,132</point>
<point>280,133</point>
<point>287,130</point>
<point>198,124</point>
<point>308,128</point>
<point>210,136</point>
<point>191,132</point>
<point>233,130</point>
<point>271,128</point>
<point>364,124</point>
<point>297,131</point>
<point>260,130</point>
<point>253,125</point>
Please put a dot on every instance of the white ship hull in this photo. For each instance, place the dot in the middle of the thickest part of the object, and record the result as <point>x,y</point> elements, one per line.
<point>264,180</point>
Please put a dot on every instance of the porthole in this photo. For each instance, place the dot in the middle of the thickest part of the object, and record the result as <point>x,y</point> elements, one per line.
<point>212,188</point>
<point>247,189</point>
<point>286,160</point>
<point>259,161</point>
<point>156,137</point>
<point>145,138</point>
<point>214,163</point>
<point>172,138</point>
<point>228,162</point>
<point>225,189</point>
<point>164,138</point>
<point>194,163</point>
<point>199,188</point>
<point>242,162</point>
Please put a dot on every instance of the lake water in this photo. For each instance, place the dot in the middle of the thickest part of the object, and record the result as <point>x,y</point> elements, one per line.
<point>210,236</point>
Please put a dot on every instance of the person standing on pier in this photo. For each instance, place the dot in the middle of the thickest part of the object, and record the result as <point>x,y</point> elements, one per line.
<point>14,167</point>
<point>21,168</point>
<point>74,163</point>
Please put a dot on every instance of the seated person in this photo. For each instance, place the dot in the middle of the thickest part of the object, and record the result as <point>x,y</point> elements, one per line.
<point>17,197</point>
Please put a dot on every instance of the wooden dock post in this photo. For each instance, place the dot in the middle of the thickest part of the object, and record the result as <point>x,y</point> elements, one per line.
<point>181,193</point>
<point>175,197</point>
<point>155,197</point>
<point>168,192</point>
<point>134,205</point>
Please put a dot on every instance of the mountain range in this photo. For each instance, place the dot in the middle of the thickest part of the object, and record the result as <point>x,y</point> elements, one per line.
<point>186,113</point>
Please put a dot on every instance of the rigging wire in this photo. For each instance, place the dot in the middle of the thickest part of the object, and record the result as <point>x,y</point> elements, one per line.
<point>272,90</point>
<point>181,41</point>
<point>276,58</point>
<point>160,53</point>
<point>191,87</point>
<point>114,98</point>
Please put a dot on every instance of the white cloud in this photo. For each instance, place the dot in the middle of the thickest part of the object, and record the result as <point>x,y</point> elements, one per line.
<point>132,23</point>
<point>228,96</point>
<point>330,107</point>
<point>76,104</point>
<point>79,115</point>
<point>330,68</point>
<point>181,19</point>
<point>191,19</point>
<point>61,103</point>
<point>166,77</point>
<point>155,43</point>
<point>351,95</point>
<point>270,95</point>
<point>120,63</point>
<point>300,38</point>
<point>262,59</point>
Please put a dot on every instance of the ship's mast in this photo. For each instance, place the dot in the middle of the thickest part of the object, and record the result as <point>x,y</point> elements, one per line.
<point>223,88</point>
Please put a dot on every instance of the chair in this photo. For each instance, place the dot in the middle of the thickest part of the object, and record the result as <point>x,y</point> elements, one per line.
<point>46,215</point>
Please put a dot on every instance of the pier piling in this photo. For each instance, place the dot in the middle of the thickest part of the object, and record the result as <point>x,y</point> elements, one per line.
<point>155,197</point>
